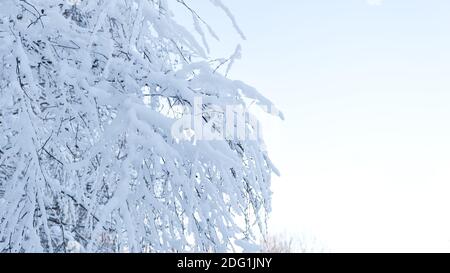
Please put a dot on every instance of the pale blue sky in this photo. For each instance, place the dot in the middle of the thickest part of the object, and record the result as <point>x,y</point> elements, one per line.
<point>364,151</point>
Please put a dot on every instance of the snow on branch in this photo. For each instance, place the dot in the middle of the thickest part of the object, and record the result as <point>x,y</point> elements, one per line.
<point>90,92</point>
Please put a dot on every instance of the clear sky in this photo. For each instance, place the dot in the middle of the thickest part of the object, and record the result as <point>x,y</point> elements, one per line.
<point>364,152</point>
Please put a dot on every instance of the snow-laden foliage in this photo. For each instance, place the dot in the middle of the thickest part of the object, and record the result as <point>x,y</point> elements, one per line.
<point>89,94</point>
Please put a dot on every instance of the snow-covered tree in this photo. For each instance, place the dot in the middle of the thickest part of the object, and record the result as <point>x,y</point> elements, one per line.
<point>90,91</point>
